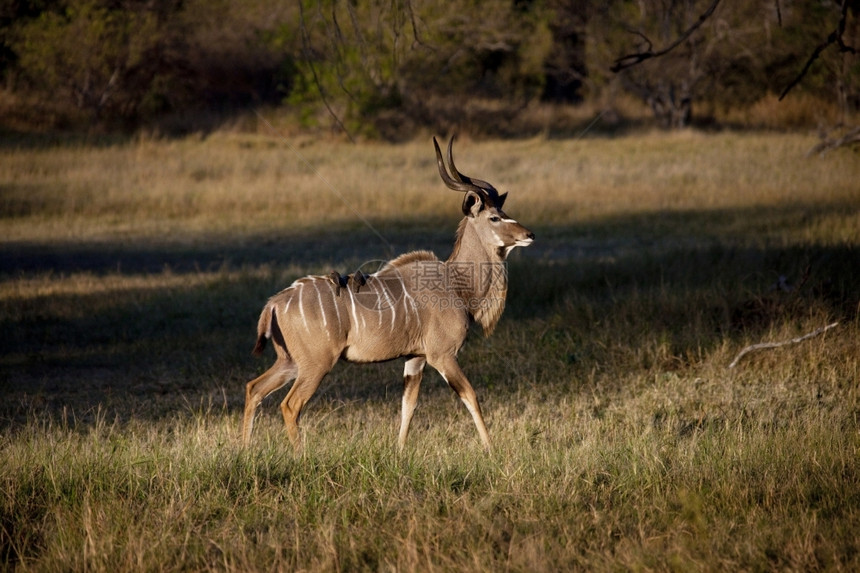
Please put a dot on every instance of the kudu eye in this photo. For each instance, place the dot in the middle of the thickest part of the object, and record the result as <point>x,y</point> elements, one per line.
<point>495,218</point>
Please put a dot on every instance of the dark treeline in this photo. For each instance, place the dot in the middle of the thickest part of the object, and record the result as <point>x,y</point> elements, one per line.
<point>384,69</point>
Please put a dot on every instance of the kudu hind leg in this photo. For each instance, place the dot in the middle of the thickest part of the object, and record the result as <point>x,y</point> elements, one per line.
<point>453,375</point>
<point>257,389</point>
<point>412,374</point>
<point>303,388</point>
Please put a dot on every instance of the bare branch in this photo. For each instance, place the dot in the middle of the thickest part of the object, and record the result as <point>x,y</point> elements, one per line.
<point>815,53</point>
<point>416,40</point>
<point>828,143</point>
<point>765,345</point>
<point>835,37</point>
<point>631,60</point>
<point>108,91</point>
<point>306,41</point>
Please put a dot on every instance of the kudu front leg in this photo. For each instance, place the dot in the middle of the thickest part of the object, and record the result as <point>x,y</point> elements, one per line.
<point>453,375</point>
<point>412,374</point>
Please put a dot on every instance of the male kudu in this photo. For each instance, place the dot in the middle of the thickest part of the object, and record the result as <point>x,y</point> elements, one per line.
<point>415,306</point>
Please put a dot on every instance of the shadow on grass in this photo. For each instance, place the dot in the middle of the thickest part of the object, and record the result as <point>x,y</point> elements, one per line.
<point>147,352</point>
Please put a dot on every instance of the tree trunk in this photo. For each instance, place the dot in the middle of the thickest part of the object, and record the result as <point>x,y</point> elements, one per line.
<point>672,107</point>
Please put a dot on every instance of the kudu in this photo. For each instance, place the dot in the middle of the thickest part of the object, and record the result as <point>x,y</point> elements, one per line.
<point>415,306</point>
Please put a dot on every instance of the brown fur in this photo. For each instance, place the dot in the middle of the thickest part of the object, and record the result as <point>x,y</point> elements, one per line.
<point>416,307</point>
<point>412,257</point>
<point>264,331</point>
<point>487,299</point>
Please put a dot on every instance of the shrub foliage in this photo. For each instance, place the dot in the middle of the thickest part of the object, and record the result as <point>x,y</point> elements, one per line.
<point>384,68</point>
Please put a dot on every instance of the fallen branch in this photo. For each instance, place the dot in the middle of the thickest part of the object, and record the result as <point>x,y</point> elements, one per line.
<point>828,143</point>
<point>765,345</point>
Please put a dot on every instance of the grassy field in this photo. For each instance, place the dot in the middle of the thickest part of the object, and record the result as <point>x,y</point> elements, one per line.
<point>132,275</point>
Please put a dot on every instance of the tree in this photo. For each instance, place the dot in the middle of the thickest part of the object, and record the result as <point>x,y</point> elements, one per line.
<point>838,55</point>
<point>350,57</point>
<point>564,66</point>
<point>688,50</point>
<point>674,53</point>
<point>137,60</point>
<point>86,53</point>
<point>368,61</point>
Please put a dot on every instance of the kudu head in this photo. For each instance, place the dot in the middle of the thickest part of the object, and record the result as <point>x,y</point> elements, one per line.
<point>482,207</point>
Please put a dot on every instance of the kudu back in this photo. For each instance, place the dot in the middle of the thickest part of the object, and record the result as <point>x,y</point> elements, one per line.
<point>415,307</point>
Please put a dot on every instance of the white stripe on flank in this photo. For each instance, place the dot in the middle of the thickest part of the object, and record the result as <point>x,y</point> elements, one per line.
<point>412,304</point>
<point>354,315</point>
<point>379,310</point>
<point>406,295</point>
<point>319,300</point>
<point>287,306</point>
<point>336,304</point>
<point>389,304</point>
<point>322,310</point>
<point>302,306</point>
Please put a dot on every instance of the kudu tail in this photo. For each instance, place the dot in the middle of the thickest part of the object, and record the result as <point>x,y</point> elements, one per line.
<point>267,321</point>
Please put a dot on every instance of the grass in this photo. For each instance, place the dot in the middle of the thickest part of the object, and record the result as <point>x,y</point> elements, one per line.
<point>130,283</point>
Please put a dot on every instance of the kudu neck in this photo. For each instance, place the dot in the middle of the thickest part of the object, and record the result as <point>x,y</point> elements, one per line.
<point>468,247</point>
<point>482,282</point>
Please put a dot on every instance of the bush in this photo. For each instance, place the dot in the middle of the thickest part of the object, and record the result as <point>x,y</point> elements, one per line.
<point>383,69</point>
<point>87,55</point>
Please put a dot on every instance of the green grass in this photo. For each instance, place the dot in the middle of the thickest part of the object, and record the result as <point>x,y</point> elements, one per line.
<point>131,280</point>
<point>590,492</point>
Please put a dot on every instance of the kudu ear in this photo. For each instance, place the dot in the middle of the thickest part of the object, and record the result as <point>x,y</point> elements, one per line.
<point>472,204</point>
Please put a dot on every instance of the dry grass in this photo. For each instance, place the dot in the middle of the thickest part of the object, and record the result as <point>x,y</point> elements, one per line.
<point>797,111</point>
<point>132,275</point>
<point>246,184</point>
